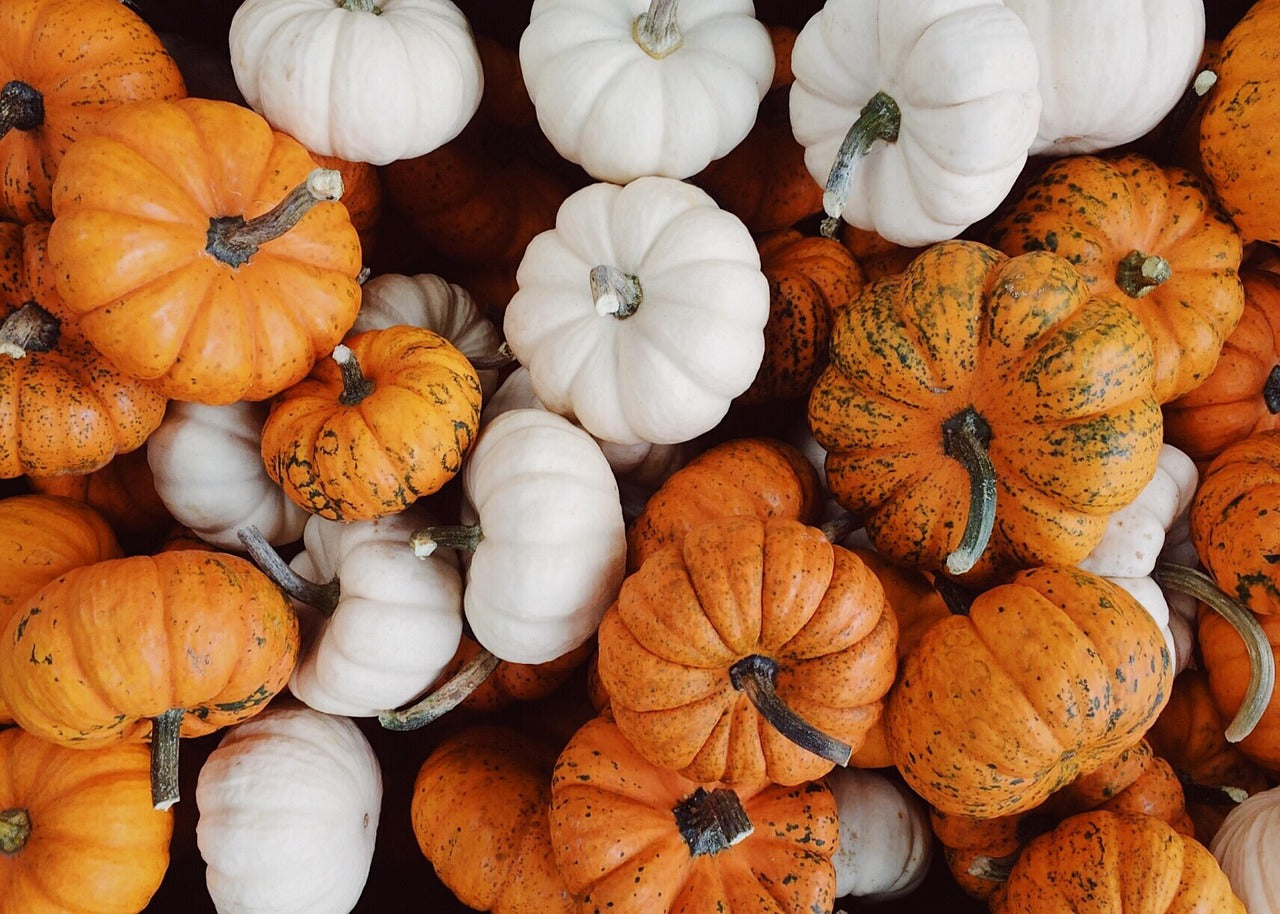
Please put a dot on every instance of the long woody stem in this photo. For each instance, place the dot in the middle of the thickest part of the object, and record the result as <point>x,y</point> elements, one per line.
<point>656,30</point>
<point>356,386</point>
<point>965,437</point>
<point>756,676</point>
<point>234,239</point>
<point>465,537</point>
<point>165,730</point>
<point>323,597</point>
<point>879,119</point>
<point>444,699</point>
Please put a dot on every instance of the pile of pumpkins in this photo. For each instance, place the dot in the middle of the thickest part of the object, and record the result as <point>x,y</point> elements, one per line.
<point>694,455</point>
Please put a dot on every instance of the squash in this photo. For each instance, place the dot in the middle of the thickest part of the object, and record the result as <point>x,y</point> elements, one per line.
<point>1242,848</point>
<point>515,682</point>
<point>885,845</point>
<point>123,492</point>
<point>361,197</point>
<point>1231,663</point>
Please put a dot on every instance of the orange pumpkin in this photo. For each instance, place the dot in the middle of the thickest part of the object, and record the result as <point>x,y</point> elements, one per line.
<point>1229,668</point>
<point>877,257</point>
<point>361,196</point>
<point>123,492</point>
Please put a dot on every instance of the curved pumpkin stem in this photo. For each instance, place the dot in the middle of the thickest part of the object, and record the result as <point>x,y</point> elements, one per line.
<point>656,29</point>
<point>465,537</point>
<point>444,699</point>
<point>323,597</point>
<point>1271,390</point>
<point>1210,794</point>
<point>879,119</point>
<point>15,828</point>
<point>1138,273</point>
<point>756,675</point>
<point>965,437</point>
<point>615,292</point>
<point>29,329</point>
<point>1262,663</point>
<point>500,358</point>
<point>356,386</point>
<point>711,821</point>
<point>234,239</point>
<point>21,107</point>
<point>166,728</point>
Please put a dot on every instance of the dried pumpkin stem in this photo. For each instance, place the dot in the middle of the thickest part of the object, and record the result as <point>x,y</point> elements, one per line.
<point>840,526</point>
<point>361,6</point>
<point>879,119</point>
<point>615,292</point>
<point>234,239</point>
<point>656,29</point>
<point>21,107</point>
<point>711,821</point>
<point>356,386</point>
<point>500,358</point>
<point>166,728</point>
<point>15,828</point>
<point>993,869</point>
<point>323,597</point>
<point>1271,390</point>
<point>756,676</point>
<point>1210,794</point>
<point>444,699</point>
<point>1262,663</point>
<point>1138,273</point>
<point>445,536</point>
<point>29,329</point>
<point>965,437</point>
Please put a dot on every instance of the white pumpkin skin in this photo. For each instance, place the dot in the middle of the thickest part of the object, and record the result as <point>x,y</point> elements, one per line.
<point>362,85</point>
<point>1246,847</point>
<point>289,805</point>
<point>397,624</point>
<point>1110,70</point>
<point>964,75</point>
<point>669,371</point>
<point>609,105</point>
<point>885,845</point>
<point>208,471</point>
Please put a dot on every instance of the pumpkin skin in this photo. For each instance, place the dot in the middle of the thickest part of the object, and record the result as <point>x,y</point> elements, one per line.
<point>1227,664</point>
<point>618,846</point>
<point>361,196</point>
<point>513,682</point>
<point>885,845</point>
<point>1243,848</point>
<point>1062,380</point>
<point>134,204</point>
<point>123,492</point>
<point>96,845</point>
<point>1100,213</point>
<point>117,59</point>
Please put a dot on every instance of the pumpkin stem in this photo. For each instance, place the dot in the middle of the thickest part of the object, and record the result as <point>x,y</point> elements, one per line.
<point>323,597</point>
<point>711,821</point>
<point>1210,794</point>
<point>445,536</point>
<point>1271,390</point>
<point>615,292</point>
<point>959,599</point>
<point>879,119</point>
<point>993,869</point>
<point>965,437</point>
<point>656,29</point>
<point>1262,663</point>
<point>500,358</point>
<point>234,239</point>
<point>21,107</point>
<point>165,730</point>
<point>1204,81</point>
<point>15,828</point>
<point>757,676</point>
<point>444,699</point>
<point>1139,273</point>
<point>355,385</point>
<point>361,6</point>
<point>840,526</point>
<point>29,329</point>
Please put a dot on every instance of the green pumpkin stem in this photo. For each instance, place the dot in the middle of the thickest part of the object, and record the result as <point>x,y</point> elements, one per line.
<point>500,358</point>
<point>756,675</point>
<point>323,597</point>
<point>656,30</point>
<point>711,821</point>
<point>615,292</point>
<point>465,537</point>
<point>1262,663</point>
<point>15,828</point>
<point>444,699</point>
<point>166,728</point>
<point>965,437</point>
<point>21,107</point>
<point>1271,390</point>
<point>879,119</point>
<point>356,386</point>
<point>361,6</point>
<point>234,239</point>
<point>29,329</point>
<point>1138,273</point>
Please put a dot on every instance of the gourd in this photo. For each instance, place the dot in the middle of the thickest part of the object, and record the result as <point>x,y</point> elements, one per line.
<point>1242,848</point>
<point>123,492</point>
<point>1231,663</point>
<point>885,845</point>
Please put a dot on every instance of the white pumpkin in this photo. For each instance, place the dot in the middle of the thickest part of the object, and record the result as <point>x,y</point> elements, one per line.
<point>627,88</point>
<point>364,80</point>
<point>288,812</point>
<point>1247,846</point>
<point>1110,70</point>
<point>886,844</point>
<point>950,90</point>
<point>208,471</point>
<point>641,314</point>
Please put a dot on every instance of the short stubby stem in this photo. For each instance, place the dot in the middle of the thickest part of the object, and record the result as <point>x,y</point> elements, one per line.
<point>656,30</point>
<point>166,728</point>
<point>711,821</point>
<point>614,292</point>
<point>356,386</point>
<point>29,329</point>
<point>361,6</point>
<point>21,107</point>
<point>756,676</point>
<point>234,240</point>
<point>15,828</point>
<point>879,119</point>
<point>445,536</point>
<point>1271,390</point>
<point>965,437</point>
<point>1138,273</point>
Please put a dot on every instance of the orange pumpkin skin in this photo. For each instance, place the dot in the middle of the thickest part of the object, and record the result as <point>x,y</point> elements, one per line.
<point>96,844</point>
<point>512,682</point>
<point>1061,380</point>
<point>370,458</point>
<point>616,840</point>
<point>1227,665</point>
<point>135,203</point>
<point>735,588</point>
<point>877,257</point>
<point>117,59</point>
<point>123,492</point>
<point>361,196</point>
<point>1116,863</point>
<point>1097,212</point>
<point>1049,676</point>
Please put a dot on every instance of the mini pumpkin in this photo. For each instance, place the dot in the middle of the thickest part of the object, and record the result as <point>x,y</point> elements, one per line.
<point>123,492</point>
<point>1243,846</point>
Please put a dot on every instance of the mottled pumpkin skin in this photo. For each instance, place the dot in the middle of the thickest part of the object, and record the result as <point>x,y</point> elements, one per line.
<point>734,588</point>
<point>1227,665</point>
<point>1049,676</point>
<point>617,844</point>
<point>373,458</point>
<point>1095,212</point>
<point>1116,863</point>
<point>1063,380</point>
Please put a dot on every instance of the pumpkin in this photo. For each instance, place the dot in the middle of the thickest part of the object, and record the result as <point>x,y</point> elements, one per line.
<point>1231,663</point>
<point>631,837</point>
<point>180,643</point>
<point>877,257</point>
<point>1145,236</point>
<point>984,413</point>
<point>1242,848</point>
<point>361,197</point>
<point>123,492</point>
<point>516,682</point>
<point>289,805</point>
<point>749,650</point>
<point>50,98</point>
<point>480,811</point>
<point>310,67</point>
<point>77,831</point>
<point>386,420</point>
<point>909,137</point>
<point>171,218</point>
<point>629,325</point>
<point>885,845</point>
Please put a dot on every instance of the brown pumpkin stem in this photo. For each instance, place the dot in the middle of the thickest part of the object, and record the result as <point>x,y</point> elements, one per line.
<point>965,437</point>
<point>21,107</point>
<point>1271,390</point>
<point>234,239</point>
<point>1138,273</point>
<point>444,699</point>
<point>959,599</point>
<point>879,119</point>
<point>445,536</point>
<point>840,526</point>
<point>323,597</point>
<point>615,292</point>
<point>166,728</point>
<point>355,385</point>
<point>656,29</point>
<point>501,358</point>
<point>711,821</point>
<point>1262,663</point>
<point>29,329</point>
<point>1210,794</point>
<point>15,828</point>
<point>757,676</point>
